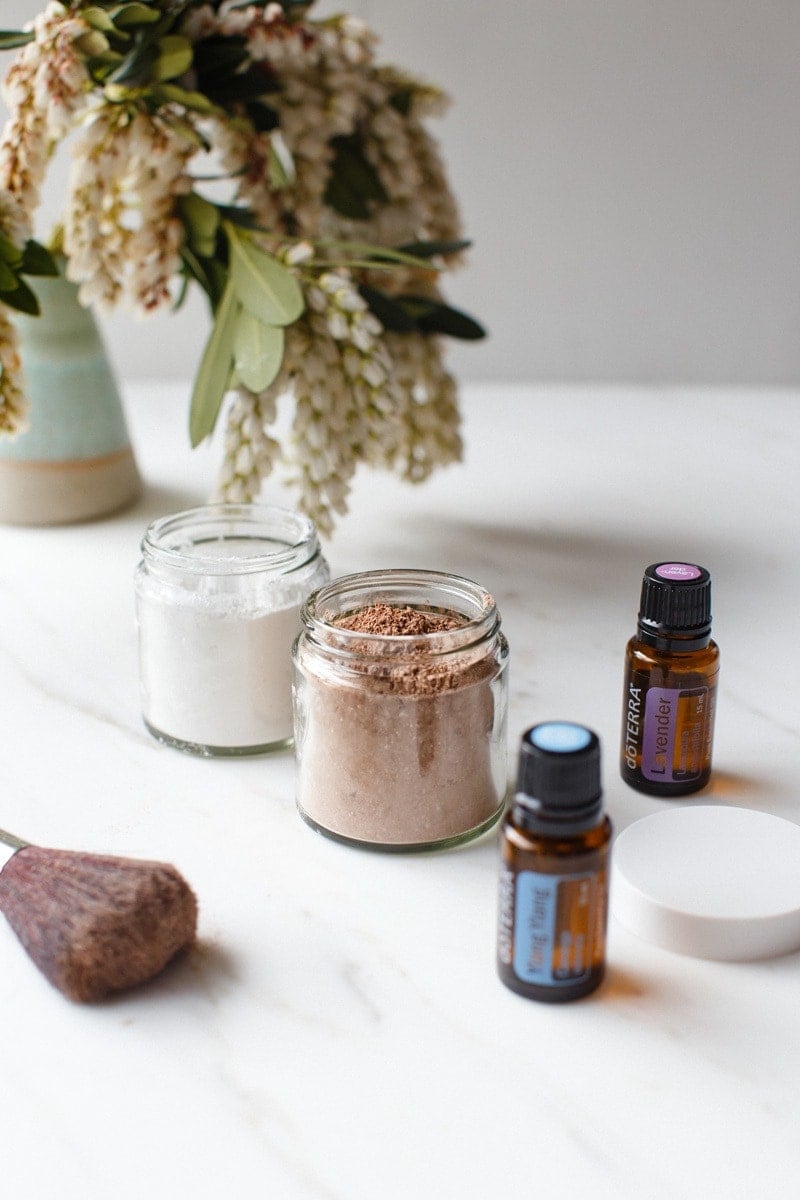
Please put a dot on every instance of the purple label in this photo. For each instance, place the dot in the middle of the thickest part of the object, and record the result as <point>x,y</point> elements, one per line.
<point>678,571</point>
<point>675,733</point>
<point>658,742</point>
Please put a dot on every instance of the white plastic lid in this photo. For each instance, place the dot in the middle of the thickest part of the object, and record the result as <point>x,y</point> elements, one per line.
<point>710,881</point>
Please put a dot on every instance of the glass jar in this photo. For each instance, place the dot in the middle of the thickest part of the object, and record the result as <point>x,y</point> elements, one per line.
<point>218,597</point>
<point>401,739</point>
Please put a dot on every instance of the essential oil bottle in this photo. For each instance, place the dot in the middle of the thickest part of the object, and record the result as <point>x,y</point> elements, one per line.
<point>671,669</point>
<point>553,877</point>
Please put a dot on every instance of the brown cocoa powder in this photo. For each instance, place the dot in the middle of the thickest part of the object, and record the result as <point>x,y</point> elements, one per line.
<point>396,621</point>
<point>398,749</point>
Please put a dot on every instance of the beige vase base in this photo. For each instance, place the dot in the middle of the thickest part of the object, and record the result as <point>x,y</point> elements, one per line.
<point>56,493</point>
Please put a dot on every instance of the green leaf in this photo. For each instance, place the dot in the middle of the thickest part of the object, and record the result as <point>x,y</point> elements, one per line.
<point>345,201</point>
<point>239,216</point>
<point>417,307</point>
<point>9,253</point>
<point>219,55</point>
<point>128,16</point>
<point>441,318</point>
<point>11,39</point>
<point>201,221</point>
<point>354,183</point>
<point>266,289</point>
<point>204,247</point>
<point>102,65</point>
<point>391,315</point>
<point>36,260</point>
<point>376,254</point>
<point>401,100</point>
<point>183,288</point>
<point>198,269</point>
<point>8,280</point>
<point>98,18</point>
<point>217,277</point>
<point>136,68</point>
<point>225,75</point>
<point>185,129</point>
<point>21,298</point>
<point>432,249</point>
<point>194,268</point>
<point>257,351</point>
<point>248,85</point>
<point>209,273</point>
<point>174,57</point>
<point>264,118</point>
<point>280,167</point>
<point>171,93</point>
<point>405,314</point>
<point>93,44</point>
<point>214,372</point>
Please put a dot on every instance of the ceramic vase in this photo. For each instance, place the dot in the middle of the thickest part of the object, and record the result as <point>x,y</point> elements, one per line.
<point>75,460</point>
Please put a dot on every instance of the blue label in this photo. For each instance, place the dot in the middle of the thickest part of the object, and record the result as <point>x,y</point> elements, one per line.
<point>553,927</point>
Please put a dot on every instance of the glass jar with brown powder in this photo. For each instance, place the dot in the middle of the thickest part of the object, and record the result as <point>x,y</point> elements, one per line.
<point>400,703</point>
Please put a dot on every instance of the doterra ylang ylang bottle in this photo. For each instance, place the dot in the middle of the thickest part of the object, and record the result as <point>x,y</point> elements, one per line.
<point>671,669</point>
<point>554,870</point>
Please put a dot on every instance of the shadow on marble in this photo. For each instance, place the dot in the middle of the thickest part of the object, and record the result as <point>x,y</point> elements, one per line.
<point>581,558</point>
<point>621,985</point>
<point>603,553</point>
<point>727,785</point>
<point>207,968</point>
<point>159,501</point>
<point>742,791</point>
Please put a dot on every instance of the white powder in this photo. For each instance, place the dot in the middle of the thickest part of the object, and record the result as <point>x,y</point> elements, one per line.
<point>219,593</point>
<point>217,679</point>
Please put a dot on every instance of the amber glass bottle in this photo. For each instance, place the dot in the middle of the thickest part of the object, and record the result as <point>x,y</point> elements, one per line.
<point>671,669</point>
<point>554,869</point>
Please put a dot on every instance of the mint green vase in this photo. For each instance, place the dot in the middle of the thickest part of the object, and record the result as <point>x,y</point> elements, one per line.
<point>75,460</point>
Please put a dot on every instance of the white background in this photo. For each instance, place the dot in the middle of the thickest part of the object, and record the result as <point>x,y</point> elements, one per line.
<point>629,170</point>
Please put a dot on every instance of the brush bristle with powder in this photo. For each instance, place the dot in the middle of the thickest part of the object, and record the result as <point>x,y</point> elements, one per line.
<point>95,924</point>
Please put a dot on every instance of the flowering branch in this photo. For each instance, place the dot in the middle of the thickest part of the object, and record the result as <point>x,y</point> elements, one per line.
<point>322,259</point>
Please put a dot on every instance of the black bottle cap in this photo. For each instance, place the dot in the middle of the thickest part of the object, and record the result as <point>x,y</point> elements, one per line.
<point>676,602</point>
<point>558,778</point>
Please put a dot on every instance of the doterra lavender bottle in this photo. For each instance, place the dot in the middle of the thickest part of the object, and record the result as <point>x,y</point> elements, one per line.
<point>671,669</point>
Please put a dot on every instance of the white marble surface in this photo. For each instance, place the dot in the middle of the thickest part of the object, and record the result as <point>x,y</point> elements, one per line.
<point>339,1034</point>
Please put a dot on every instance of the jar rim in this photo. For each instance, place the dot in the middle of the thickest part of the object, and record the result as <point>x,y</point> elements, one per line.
<point>389,586</point>
<point>170,540</point>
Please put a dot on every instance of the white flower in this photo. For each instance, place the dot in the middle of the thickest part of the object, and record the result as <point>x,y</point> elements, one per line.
<point>200,23</point>
<point>420,204</point>
<point>13,402</point>
<point>45,90</point>
<point>346,406</point>
<point>322,69</point>
<point>14,222</point>
<point>429,417</point>
<point>246,154</point>
<point>299,253</point>
<point>250,453</point>
<point>121,233</point>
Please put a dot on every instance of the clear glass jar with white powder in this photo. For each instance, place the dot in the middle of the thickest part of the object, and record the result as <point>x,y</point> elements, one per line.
<point>218,598</point>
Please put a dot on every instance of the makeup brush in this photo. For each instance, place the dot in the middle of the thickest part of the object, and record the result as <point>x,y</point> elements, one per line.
<point>95,924</point>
